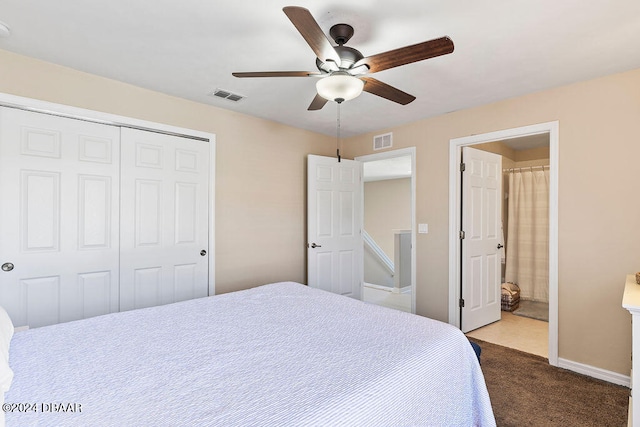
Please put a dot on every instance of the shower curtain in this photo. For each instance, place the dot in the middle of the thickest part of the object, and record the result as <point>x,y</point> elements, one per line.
<point>527,262</point>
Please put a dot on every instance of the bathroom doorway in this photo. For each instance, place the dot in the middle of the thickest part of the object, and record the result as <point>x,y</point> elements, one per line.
<point>514,140</point>
<point>524,245</point>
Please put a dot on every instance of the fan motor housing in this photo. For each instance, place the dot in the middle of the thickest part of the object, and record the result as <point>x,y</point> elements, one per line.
<point>348,57</point>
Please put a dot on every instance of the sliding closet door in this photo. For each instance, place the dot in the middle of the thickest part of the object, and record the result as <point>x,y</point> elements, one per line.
<point>59,181</point>
<point>164,219</point>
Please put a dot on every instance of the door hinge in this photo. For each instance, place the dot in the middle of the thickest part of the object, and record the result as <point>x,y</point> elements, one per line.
<point>462,167</point>
<point>461,303</point>
<point>461,234</point>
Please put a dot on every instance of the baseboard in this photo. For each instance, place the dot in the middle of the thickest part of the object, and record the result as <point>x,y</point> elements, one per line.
<point>378,287</point>
<point>592,371</point>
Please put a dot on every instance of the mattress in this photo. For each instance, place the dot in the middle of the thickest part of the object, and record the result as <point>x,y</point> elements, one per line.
<point>279,354</point>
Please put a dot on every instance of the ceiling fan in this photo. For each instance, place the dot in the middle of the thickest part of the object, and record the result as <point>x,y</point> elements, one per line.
<point>342,70</point>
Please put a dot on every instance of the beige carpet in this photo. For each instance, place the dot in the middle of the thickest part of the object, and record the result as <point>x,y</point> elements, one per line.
<point>526,391</point>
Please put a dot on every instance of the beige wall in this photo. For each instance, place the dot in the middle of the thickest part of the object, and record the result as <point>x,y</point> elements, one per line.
<point>260,166</point>
<point>387,207</point>
<point>532,155</point>
<point>497,147</point>
<point>517,157</point>
<point>599,204</point>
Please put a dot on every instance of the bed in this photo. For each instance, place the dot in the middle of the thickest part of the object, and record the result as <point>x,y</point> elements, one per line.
<point>275,355</point>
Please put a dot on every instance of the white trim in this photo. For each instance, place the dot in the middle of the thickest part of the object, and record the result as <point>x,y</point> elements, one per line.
<point>455,145</point>
<point>212,214</point>
<point>46,107</point>
<point>377,250</point>
<point>592,371</point>
<point>411,151</point>
<point>378,287</point>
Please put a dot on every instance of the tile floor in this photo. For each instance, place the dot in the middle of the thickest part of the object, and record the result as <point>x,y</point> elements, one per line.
<point>521,333</point>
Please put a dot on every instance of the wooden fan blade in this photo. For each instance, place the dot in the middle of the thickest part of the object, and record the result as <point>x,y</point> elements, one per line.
<point>386,91</point>
<point>277,74</point>
<point>312,33</point>
<point>317,103</point>
<point>407,54</point>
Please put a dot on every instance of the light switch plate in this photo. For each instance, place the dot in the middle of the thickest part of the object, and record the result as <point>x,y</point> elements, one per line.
<point>423,228</point>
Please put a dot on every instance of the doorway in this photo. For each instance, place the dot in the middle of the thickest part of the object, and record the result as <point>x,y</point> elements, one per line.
<point>515,136</point>
<point>389,262</point>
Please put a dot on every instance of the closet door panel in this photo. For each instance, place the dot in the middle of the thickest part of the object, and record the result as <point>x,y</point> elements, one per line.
<point>164,219</point>
<point>94,216</point>
<point>39,213</point>
<point>59,180</point>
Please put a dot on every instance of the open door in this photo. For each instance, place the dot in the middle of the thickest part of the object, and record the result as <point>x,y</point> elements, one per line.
<point>481,225</point>
<point>334,225</point>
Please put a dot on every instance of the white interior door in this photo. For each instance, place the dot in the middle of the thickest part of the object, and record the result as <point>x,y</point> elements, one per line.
<point>59,180</point>
<point>164,214</point>
<point>481,223</point>
<point>334,225</point>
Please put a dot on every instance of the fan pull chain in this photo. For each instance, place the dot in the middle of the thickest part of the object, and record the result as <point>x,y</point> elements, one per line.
<point>338,134</point>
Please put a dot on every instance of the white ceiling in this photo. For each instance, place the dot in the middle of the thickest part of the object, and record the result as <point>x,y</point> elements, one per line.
<point>527,142</point>
<point>393,168</point>
<point>188,48</point>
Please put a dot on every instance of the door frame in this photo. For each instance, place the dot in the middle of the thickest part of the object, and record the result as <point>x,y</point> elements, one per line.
<point>410,151</point>
<point>455,205</point>
<point>45,107</point>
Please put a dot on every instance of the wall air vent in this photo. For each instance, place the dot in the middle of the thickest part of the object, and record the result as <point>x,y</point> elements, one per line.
<point>381,142</point>
<point>225,94</point>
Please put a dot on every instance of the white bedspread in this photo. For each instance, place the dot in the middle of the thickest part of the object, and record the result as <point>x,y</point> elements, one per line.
<point>280,354</point>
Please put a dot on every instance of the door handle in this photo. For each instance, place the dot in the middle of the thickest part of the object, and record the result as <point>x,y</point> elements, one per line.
<point>500,246</point>
<point>7,266</point>
<point>313,245</point>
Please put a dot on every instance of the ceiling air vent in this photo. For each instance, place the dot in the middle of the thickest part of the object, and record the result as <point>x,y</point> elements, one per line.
<point>225,94</point>
<point>383,141</point>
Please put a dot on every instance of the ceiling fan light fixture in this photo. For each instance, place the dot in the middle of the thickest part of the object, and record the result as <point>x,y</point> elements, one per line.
<point>339,85</point>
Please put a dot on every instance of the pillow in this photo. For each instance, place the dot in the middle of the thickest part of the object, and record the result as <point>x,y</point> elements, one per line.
<point>6,333</point>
